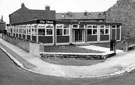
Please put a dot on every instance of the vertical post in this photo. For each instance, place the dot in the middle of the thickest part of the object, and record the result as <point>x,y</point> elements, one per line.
<point>55,37</point>
<point>98,33</point>
<point>120,33</point>
<point>37,31</point>
<point>85,34</point>
<point>30,32</point>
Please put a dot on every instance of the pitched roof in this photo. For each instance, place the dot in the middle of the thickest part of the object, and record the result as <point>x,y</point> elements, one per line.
<point>24,14</point>
<point>81,15</point>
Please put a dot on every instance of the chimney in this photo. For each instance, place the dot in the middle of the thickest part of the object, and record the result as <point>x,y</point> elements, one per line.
<point>22,5</point>
<point>1,18</point>
<point>47,8</point>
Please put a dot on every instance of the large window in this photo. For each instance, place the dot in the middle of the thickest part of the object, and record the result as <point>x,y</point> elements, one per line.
<point>92,29</point>
<point>41,30</point>
<point>104,29</point>
<point>49,29</point>
<point>62,29</point>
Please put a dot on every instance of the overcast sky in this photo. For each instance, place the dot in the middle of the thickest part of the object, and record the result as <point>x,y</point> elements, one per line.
<point>9,6</point>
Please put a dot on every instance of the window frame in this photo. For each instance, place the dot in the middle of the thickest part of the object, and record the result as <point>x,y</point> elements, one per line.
<point>75,27</point>
<point>106,27</point>
<point>41,26</point>
<point>52,29</point>
<point>63,29</point>
<point>92,28</point>
<point>68,28</point>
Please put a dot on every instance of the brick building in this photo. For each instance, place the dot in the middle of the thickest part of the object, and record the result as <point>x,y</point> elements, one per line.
<point>51,28</point>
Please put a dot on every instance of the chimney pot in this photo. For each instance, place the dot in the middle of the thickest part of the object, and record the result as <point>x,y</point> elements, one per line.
<point>47,8</point>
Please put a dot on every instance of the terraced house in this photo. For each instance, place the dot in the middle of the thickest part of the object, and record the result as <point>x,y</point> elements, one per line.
<point>51,28</point>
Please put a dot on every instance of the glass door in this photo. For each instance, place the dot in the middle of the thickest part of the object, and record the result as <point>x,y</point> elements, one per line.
<point>78,35</point>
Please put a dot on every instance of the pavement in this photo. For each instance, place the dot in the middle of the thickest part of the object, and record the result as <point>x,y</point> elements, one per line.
<point>123,62</point>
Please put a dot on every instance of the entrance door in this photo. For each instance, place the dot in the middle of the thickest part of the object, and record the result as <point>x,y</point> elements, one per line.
<point>113,34</point>
<point>78,35</point>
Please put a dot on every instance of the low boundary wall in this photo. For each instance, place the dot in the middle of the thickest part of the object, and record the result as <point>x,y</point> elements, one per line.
<point>33,48</point>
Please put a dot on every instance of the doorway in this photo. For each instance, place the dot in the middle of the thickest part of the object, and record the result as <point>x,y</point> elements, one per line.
<point>78,35</point>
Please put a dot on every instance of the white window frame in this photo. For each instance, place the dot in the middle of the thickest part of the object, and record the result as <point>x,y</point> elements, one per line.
<point>28,30</point>
<point>74,27</point>
<point>59,28</point>
<point>92,29</point>
<point>41,26</point>
<point>34,30</point>
<point>63,29</point>
<point>49,28</point>
<point>66,29</point>
<point>83,26</point>
<point>104,29</point>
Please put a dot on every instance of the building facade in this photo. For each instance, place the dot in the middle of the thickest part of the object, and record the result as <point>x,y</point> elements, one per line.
<point>2,25</point>
<point>51,28</point>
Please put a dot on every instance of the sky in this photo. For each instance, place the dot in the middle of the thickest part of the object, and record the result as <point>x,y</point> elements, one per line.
<point>9,6</point>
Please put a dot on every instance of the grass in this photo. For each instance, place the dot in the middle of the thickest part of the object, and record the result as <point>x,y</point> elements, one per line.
<point>69,49</point>
<point>119,45</point>
<point>72,61</point>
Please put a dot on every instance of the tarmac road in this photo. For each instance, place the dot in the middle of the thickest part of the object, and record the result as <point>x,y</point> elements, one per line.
<point>11,74</point>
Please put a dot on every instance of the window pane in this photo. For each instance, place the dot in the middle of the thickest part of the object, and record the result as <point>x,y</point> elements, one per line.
<point>29,31</point>
<point>59,26</point>
<point>102,31</point>
<point>75,26</point>
<point>59,31</point>
<point>113,26</point>
<point>102,26</point>
<point>66,26</point>
<point>41,31</point>
<point>24,31</point>
<point>94,26</point>
<point>81,26</point>
<point>89,31</point>
<point>118,26</point>
<point>48,31</point>
<point>107,26</point>
<point>94,31</point>
<point>89,26</point>
<point>35,31</point>
<point>66,31</point>
<point>106,31</point>
<point>49,26</point>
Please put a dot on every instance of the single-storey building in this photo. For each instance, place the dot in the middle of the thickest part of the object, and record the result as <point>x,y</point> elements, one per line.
<point>51,28</point>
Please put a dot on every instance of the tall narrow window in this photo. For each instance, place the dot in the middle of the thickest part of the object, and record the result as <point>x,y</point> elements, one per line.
<point>66,32</point>
<point>66,29</point>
